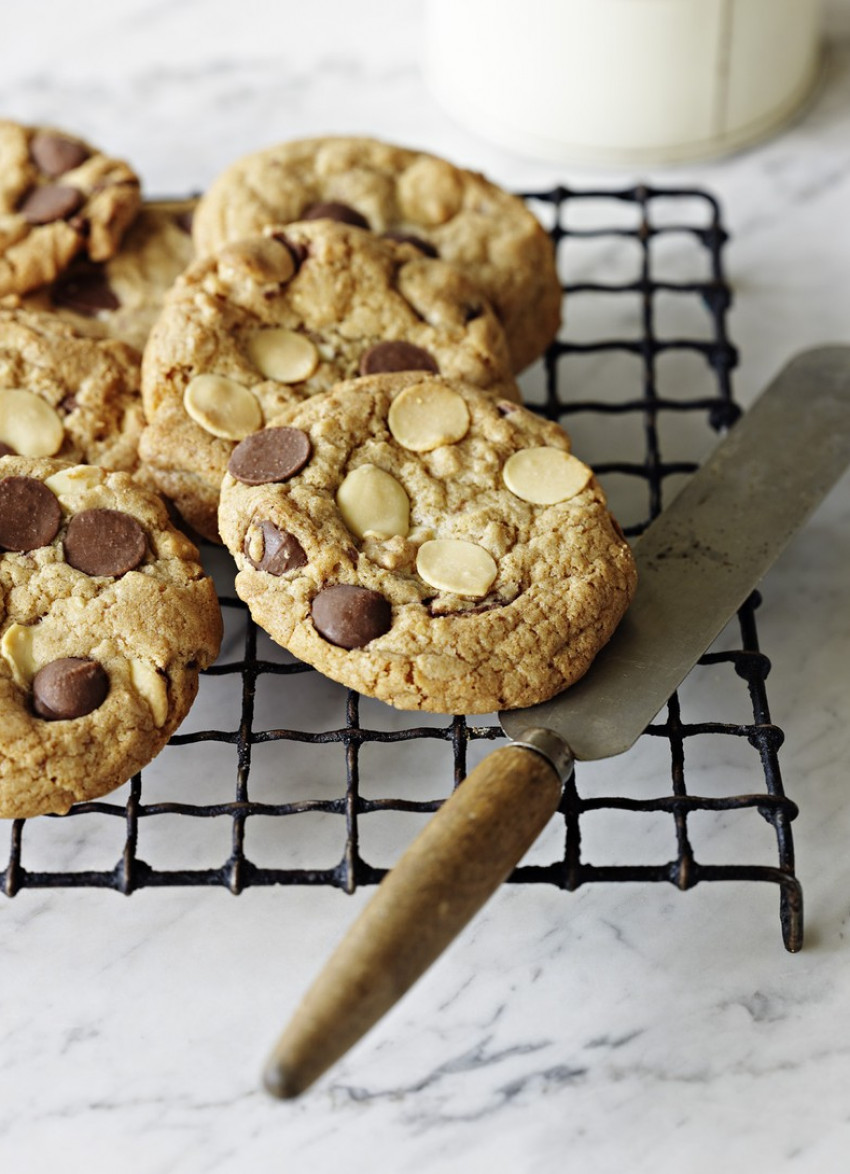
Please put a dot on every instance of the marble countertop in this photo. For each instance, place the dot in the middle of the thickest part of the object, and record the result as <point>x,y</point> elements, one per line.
<point>618,1028</point>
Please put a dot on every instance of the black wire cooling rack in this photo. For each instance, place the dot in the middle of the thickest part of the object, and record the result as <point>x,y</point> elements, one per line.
<point>640,376</point>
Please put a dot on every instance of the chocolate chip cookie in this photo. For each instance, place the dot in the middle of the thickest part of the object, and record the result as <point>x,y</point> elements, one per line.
<point>122,297</point>
<point>456,214</point>
<point>65,395</point>
<point>106,617</point>
<point>426,544</point>
<point>275,318</point>
<point>59,198</point>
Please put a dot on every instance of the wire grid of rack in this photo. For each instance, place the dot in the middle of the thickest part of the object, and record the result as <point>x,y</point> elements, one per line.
<point>615,223</point>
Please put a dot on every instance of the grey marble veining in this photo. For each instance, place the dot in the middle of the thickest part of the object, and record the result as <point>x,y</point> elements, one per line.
<point>613,1029</point>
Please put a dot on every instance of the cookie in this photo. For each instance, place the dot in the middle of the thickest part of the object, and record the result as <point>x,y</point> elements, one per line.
<point>122,297</point>
<point>59,198</point>
<point>463,217</point>
<point>106,618</point>
<point>273,319</point>
<point>423,543</point>
<point>64,395</point>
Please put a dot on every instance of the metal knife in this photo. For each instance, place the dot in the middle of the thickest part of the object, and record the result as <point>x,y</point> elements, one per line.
<point>697,563</point>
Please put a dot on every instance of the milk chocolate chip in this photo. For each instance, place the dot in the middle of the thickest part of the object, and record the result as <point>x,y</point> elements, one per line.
<point>332,210</point>
<point>29,514</point>
<point>104,542</point>
<point>396,355</point>
<point>55,201</point>
<point>69,688</point>
<point>276,551</point>
<point>275,454</point>
<point>5,450</point>
<point>407,238</point>
<point>55,154</point>
<point>87,293</point>
<point>350,616</point>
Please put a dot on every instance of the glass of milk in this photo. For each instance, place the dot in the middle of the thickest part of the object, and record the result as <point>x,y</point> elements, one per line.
<point>622,81</point>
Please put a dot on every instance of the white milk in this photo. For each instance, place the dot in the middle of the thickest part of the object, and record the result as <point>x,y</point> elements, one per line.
<point>622,81</point>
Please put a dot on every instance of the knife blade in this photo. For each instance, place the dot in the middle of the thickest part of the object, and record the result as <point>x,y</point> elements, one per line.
<point>697,563</point>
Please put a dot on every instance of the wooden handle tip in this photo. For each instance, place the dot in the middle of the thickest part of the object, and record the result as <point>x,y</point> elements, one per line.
<point>283,1081</point>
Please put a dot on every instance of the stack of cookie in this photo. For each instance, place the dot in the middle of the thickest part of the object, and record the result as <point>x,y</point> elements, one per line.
<point>106,615</point>
<point>323,377</point>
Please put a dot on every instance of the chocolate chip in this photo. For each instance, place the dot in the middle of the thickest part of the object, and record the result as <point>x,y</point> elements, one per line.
<point>29,514</point>
<point>331,210</point>
<point>282,551</point>
<point>350,616</point>
<point>54,201</point>
<point>275,454</point>
<point>470,313</point>
<point>86,292</point>
<point>69,688</point>
<point>396,355</point>
<point>407,238</point>
<point>55,154</point>
<point>104,542</point>
<point>183,220</point>
<point>6,450</point>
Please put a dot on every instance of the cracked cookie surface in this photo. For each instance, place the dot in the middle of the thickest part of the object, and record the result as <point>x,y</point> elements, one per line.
<point>59,198</point>
<point>271,320</point>
<point>106,617</point>
<point>426,544</point>
<point>468,221</point>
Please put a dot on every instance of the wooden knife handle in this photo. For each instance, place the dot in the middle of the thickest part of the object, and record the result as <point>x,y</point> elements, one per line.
<point>465,852</point>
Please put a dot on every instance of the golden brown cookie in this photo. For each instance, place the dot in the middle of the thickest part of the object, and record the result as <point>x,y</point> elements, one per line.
<point>65,395</point>
<point>59,198</point>
<point>106,616</point>
<point>467,220</point>
<point>122,297</point>
<point>426,544</point>
<point>273,319</point>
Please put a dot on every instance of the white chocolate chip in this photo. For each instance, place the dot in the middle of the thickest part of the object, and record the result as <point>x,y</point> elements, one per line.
<point>16,648</point>
<point>28,424</point>
<point>150,685</point>
<point>426,416</point>
<point>222,407</point>
<point>266,262</point>
<point>373,503</point>
<point>283,355</point>
<point>450,564</point>
<point>545,476</point>
<point>69,485</point>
